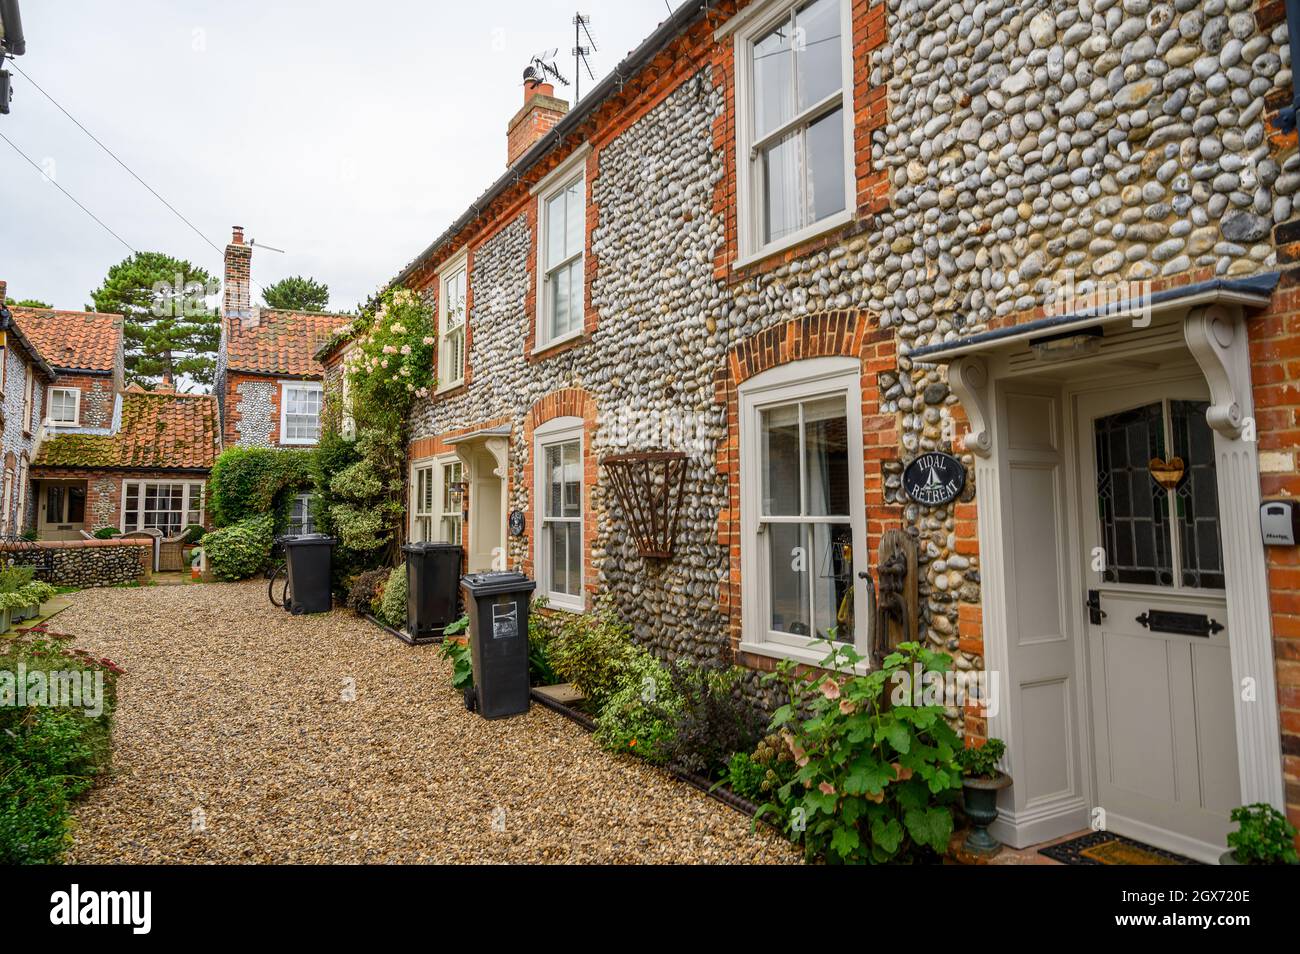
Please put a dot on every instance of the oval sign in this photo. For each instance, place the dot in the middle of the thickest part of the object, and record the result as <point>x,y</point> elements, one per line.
<point>934,479</point>
<point>516,523</point>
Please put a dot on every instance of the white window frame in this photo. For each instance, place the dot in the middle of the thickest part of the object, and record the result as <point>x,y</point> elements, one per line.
<point>436,467</point>
<point>5,524</point>
<point>560,430</point>
<point>785,384</point>
<point>571,170</point>
<point>749,26</point>
<point>192,487</point>
<point>307,523</point>
<point>76,406</point>
<point>29,398</point>
<point>20,512</point>
<point>456,265</point>
<point>285,388</point>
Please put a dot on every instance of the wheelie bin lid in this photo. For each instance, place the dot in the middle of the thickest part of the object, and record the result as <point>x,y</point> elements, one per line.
<point>500,581</point>
<point>426,547</point>
<point>308,539</point>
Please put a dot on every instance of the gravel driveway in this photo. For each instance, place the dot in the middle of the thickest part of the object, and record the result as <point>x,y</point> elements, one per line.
<point>234,713</point>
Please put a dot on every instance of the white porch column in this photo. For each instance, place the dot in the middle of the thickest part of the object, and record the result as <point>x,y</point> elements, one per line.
<point>1216,336</point>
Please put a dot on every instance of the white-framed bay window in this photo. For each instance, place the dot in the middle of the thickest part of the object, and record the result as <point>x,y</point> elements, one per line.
<point>561,251</point>
<point>64,406</point>
<point>794,122</point>
<point>435,501</point>
<point>558,511</point>
<point>803,520</point>
<point>452,296</point>
<point>168,506</point>
<point>300,514</point>
<point>300,406</point>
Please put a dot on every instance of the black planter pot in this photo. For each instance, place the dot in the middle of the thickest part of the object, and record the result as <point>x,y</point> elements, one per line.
<point>980,796</point>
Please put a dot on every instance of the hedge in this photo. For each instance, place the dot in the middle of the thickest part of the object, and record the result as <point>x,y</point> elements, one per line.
<point>240,550</point>
<point>249,481</point>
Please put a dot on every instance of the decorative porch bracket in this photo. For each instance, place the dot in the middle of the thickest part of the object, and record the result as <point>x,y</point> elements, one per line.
<point>1216,336</point>
<point>968,378</point>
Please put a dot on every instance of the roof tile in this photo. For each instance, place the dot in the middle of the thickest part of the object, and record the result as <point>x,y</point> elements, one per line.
<point>159,431</point>
<point>84,340</point>
<point>284,342</point>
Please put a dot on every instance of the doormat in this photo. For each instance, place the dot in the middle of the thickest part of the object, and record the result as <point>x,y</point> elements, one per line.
<point>1105,848</point>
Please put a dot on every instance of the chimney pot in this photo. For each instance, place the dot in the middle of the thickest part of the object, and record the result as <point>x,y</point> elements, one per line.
<point>238,237</point>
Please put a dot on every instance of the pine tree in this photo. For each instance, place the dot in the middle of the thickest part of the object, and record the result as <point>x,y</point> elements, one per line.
<point>298,293</point>
<point>169,328</point>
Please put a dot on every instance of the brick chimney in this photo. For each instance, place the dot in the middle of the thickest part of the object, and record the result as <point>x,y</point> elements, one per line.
<point>541,110</point>
<point>236,299</point>
<point>4,286</point>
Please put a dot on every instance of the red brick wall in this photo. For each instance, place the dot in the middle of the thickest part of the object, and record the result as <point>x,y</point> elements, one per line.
<point>104,489</point>
<point>569,402</point>
<point>835,333</point>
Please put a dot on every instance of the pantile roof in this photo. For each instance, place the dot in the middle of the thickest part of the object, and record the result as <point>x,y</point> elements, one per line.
<point>284,342</point>
<point>160,431</point>
<point>81,340</point>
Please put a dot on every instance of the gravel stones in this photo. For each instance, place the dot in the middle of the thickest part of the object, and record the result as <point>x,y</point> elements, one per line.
<point>239,711</point>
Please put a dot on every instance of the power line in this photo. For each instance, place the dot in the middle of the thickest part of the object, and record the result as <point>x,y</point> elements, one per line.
<point>115,158</point>
<point>67,193</point>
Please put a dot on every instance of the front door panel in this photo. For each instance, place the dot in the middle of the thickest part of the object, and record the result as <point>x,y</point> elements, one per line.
<point>1160,674</point>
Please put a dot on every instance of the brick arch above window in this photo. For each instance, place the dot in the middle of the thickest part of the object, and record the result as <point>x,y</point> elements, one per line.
<point>564,403</point>
<point>840,333</point>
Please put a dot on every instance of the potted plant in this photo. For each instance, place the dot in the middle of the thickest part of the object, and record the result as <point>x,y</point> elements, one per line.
<point>980,784</point>
<point>1263,837</point>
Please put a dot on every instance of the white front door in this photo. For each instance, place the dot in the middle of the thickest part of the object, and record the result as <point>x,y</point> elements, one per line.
<point>1160,676</point>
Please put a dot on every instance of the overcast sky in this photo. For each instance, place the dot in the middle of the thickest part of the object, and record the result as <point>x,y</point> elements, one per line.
<point>348,134</point>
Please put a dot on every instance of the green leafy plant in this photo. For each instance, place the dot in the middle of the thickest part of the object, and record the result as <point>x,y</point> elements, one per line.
<point>639,718</point>
<point>745,776</point>
<point>251,481</point>
<point>240,550</point>
<point>193,534</point>
<point>49,755</point>
<point>876,776</point>
<point>14,577</point>
<point>541,671</point>
<point>456,648</point>
<point>1263,836</point>
<point>593,651</point>
<point>981,761</point>
<point>390,608</point>
<point>37,592</point>
<point>106,533</point>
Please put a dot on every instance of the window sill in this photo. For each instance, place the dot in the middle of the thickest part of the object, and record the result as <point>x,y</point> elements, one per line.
<point>567,604</point>
<point>299,443</point>
<point>557,343</point>
<point>830,224</point>
<point>813,657</point>
<point>443,389</point>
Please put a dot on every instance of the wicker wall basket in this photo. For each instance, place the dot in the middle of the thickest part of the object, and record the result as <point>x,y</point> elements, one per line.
<point>649,487</point>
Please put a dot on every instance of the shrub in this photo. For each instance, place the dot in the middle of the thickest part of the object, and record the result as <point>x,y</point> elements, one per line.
<point>391,606</point>
<point>251,481</point>
<point>712,721</point>
<point>639,717</point>
<point>106,533</point>
<point>592,651</point>
<point>193,534</point>
<point>14,578</point>
<point>982,761</point>
<point>48,754</point>
<point>1263,836</point>
<point>363,589</point>
<point>541,671</point>
<point>876,775</point>
<point>240,550</point>
<point>37,592</point>
<point>745,776</point>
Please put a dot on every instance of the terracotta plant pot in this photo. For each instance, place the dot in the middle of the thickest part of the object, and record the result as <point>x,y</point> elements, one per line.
<point>980,796</point>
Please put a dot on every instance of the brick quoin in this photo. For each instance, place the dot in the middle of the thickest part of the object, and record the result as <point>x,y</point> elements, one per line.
<point>828,334</point>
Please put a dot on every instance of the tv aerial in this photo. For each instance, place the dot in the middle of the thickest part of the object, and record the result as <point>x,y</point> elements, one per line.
<point>541,67</point>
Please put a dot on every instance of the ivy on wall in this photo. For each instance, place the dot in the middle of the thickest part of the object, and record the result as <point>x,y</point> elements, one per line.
<point>251,481</point>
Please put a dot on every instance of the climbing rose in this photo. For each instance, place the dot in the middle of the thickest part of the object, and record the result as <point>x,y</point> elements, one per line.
<point>428,339</point>
<point>406,349</point>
